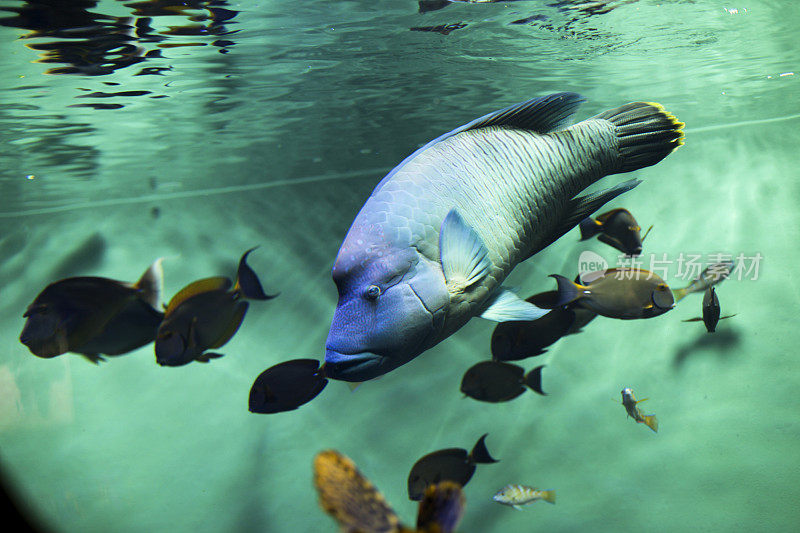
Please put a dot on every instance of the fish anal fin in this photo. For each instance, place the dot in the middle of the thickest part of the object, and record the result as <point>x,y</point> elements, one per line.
<point>219,283</point>
<point>465,259</point>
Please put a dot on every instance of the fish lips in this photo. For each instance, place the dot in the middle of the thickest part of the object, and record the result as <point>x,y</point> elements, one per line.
<point>354,367</point>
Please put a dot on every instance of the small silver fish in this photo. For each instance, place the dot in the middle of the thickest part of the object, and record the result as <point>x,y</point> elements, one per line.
<point>712,275</point>
<point>518,495</point>
<point>629,401</point>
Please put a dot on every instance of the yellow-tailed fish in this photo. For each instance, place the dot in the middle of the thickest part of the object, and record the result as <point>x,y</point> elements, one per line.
<point>630,402</point>
<point>518,495</point>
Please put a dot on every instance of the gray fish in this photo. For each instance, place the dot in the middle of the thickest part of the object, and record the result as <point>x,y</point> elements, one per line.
<point>711,311</point>
<point>204,315</point>
<point>616,228</point>
<point>630,403</point>
<point>450,464</point>
<point>94,315</point>
<point>626,293</point>
<point>712,275</point>
<point>432,245</point>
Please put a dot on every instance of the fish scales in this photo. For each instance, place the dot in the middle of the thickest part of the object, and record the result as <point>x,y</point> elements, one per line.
<point>508,184</point>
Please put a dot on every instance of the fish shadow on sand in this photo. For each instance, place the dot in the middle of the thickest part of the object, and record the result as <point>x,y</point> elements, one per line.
<point>723,342</point>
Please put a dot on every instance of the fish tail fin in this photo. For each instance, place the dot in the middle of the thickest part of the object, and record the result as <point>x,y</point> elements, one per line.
<point>568,291</point>
<point>533,379</point>
<point>549,496</point>
<point>679,294</point>
<point>646,134</point>
<point>479,453</point>
<point>247,283</point>
<point>652,422</point>
<point>151,284</point>
<point>589,228</point>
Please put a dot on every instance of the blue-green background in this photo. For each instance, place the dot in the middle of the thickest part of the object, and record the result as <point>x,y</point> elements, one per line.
<point>277,143</point>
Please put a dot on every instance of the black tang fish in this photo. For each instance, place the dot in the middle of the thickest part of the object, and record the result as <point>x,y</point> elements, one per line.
<point>286,386</point>
<point>495,381</point>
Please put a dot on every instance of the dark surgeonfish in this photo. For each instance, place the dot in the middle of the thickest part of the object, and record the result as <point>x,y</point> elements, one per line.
<point>93,316</point>
<point>516,340</point>
<point>494,381</point>
<point>450,464</point>
<point>711,311</point>
<point>286,386</point>
<point>433,244</point>
<point>712,275</point>
<point>625,293</point>
<point>616,228</point>
<point>358,507</point>
<point>204,315</point>
<point>630,403</point>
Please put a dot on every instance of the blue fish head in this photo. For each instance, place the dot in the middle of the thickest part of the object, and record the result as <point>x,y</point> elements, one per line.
<point>391,306</point>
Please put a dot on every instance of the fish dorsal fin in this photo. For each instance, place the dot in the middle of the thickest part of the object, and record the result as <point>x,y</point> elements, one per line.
<point>218,283</point>
<point>541,115</point>
<point>465,259</point>
<point>152,283</point>
<point>605,217</point>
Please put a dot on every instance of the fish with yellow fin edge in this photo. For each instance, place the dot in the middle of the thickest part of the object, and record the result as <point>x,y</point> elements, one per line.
<point>616,228</point>
<point>204,316</point>
<point>624,293</point>
<point>358,507</point>
<point>94,316</point>
<point>431,246</point>
<point>711,311</point>
<point>630,403</point>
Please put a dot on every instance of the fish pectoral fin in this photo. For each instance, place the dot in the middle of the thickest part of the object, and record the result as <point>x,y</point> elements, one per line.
<point>695,319</point>
<point>517,507</point>
<point>642,400</point>
<point>465,259</point>
<point>208,356</point>
<point>505,306</point>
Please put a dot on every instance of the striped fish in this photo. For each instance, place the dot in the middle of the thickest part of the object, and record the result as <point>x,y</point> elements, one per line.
<point>518,495</point>
<point>432,245</point>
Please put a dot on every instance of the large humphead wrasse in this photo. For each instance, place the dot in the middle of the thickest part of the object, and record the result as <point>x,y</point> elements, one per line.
<point>432,245</point>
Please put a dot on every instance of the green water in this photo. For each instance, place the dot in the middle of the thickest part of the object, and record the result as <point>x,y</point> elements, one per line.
<point>276,139</point>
